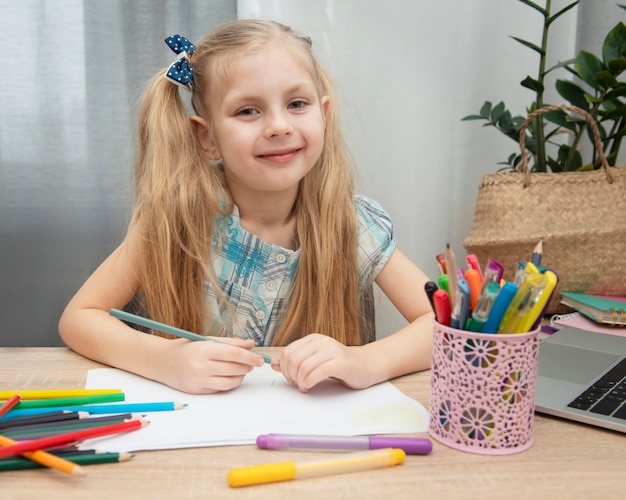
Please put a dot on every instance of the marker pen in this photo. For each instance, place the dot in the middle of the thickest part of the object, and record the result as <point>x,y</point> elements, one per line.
<point>337,464</point>
<point>411,446</point>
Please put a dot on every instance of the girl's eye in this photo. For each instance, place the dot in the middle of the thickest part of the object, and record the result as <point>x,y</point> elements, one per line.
<point>247,112</point>
<point>297,104</point>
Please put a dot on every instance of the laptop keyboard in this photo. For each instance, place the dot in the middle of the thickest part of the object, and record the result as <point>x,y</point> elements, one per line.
<point>606,395</point>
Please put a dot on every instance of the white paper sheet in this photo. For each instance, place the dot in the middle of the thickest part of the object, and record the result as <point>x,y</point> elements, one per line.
<point>264,403</point>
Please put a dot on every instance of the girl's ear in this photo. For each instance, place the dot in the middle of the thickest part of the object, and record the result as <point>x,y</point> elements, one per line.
<point>325,102</point>
<point>205,138</point>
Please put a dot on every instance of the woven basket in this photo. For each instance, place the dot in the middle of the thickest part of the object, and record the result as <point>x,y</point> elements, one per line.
<point>580,217</point>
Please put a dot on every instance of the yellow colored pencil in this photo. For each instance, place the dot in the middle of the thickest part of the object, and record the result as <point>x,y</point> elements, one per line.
<point>47,459</point>
<point>57,393</point>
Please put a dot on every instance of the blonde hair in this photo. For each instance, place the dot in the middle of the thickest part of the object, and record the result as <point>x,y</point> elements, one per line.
<point>179,195</point>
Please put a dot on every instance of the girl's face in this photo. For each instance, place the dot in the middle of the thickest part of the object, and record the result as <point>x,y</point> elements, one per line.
<point>268,124</point>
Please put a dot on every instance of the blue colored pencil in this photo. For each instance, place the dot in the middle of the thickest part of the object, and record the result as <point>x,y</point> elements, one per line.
<point>172,330</point>
<point>103,408</point>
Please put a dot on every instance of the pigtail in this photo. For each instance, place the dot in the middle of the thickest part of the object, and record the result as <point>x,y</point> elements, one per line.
<point>177,201</point>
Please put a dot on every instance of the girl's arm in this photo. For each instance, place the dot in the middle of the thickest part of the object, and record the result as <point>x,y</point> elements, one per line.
<point>314,358</point>
<point>87,328</point>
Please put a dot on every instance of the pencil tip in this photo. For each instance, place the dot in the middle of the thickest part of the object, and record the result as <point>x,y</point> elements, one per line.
<point>79,471</point>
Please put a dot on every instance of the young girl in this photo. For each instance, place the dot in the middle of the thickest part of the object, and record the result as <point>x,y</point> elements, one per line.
<point>246,226</point>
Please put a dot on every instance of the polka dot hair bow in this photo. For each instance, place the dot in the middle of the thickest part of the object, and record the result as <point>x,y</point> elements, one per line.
<point>180,71</point>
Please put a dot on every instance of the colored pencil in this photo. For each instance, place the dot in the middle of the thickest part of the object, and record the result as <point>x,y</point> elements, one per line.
<point>70,437</point>
<point>451,268</point>
<point>10,421</point>
<point>27,432</point>
<point>537,254</point>
<point>76,400</point>
<point>9,404</point>
<point>45,459</point>
<point>62,424</point>
<point>107,408</point>
<point>172,330</point>
<point>56,393</point>
<point>18,463</point>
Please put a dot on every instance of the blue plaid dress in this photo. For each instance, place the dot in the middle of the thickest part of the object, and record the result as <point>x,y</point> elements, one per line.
<point>256,277</point>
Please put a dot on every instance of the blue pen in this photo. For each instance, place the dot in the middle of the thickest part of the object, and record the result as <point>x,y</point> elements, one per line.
<point>504,298</point>
<point>486,300</point>
<point>460,311</point>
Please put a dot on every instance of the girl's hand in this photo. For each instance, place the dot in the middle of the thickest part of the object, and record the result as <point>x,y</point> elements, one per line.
<point>209,367</point>
<point>314,358</point>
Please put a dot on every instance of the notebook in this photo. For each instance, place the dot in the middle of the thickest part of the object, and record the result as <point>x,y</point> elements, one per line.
<point>582,377</point>
<point>611,311</point>
<point>577,320</point>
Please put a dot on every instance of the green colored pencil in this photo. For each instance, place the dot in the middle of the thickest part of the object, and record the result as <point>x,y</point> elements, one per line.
<point>77,400</point>
<point>17,463</point>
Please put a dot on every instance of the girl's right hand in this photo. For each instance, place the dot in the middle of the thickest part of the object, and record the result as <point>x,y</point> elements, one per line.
<point>209,367</point>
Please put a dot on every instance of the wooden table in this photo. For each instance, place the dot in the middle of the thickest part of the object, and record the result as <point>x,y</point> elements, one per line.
<point>567,460</point>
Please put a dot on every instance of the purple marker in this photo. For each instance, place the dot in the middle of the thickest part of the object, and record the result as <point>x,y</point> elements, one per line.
<point>411,446</point>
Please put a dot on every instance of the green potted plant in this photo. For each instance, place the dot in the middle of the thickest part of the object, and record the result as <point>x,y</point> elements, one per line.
<point>598,88</point>
<point>576,206</point>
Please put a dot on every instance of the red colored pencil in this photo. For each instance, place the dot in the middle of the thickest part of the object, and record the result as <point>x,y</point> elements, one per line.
<point>70,437</point>
<point>9,403</point>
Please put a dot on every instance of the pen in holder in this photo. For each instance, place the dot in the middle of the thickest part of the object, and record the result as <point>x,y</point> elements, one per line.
<point>482,390</point>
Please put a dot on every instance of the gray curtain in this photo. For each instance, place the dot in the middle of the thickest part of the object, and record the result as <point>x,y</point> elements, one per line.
<point>71,73</point>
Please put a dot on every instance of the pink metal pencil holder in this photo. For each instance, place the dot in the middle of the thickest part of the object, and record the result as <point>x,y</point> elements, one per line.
<point>482,390</point>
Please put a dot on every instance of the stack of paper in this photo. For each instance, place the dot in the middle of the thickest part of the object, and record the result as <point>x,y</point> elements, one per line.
<point>265,403</point>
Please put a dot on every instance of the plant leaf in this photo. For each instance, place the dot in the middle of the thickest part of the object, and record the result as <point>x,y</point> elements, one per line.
<point>619,112</point>
<point>535,6</point>
<point>588,66</point>
<point>606,79</point>
<point>472,117</point>
<point>617,65</point>
<point>562,64</point>
<point>619,91</point>
<point>485,110</point>
<point>532,84</point>
<point>561,12</point>
<point>530,45</point>
<point>560,118</point>
<point>497,110</point>
<point>572,93</point>
<point>614,45</point>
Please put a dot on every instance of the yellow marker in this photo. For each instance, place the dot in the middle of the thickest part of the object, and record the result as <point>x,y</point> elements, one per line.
<point>522,303</point>
<point>526,323</point>
<point>337,464</point>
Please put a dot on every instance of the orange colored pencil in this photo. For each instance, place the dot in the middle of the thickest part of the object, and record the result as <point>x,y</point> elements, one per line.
<point>70,437</point>
<point>10,403</point>
<point>47,459</point>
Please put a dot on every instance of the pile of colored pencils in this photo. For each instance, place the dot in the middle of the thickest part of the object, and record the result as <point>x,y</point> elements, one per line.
<point>42,428</point>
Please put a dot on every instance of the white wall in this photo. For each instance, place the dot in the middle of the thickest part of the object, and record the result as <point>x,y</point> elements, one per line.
<point>407,72</point>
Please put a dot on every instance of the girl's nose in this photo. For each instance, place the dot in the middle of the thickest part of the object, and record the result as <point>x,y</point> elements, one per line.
<point>278,124</point>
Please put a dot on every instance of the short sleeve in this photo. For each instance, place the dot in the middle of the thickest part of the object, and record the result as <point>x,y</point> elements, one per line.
<point>376,241</point>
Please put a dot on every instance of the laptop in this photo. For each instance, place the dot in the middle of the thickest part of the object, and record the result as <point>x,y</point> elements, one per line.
<point>581,376</point>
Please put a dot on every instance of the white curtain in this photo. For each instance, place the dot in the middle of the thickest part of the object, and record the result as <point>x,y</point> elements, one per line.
<point>71,72</point>
<point>408,71</point>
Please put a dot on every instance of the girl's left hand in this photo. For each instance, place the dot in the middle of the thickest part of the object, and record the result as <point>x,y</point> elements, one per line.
<point>314,358</point>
